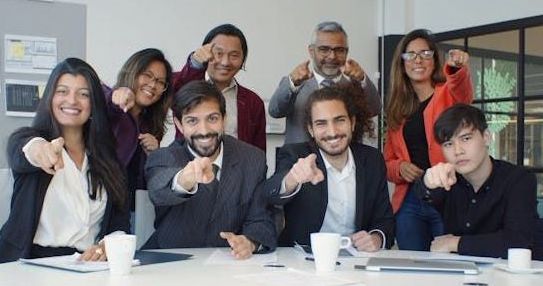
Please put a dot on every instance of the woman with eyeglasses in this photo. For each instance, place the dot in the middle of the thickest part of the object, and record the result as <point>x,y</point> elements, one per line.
<point>69,188</point>
<point>137,108</point>
<point>419,91</point>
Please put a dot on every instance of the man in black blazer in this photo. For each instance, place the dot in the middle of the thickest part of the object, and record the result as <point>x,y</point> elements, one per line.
<point>332,183</point>
<point>208,189</point>
<point>488,205</point>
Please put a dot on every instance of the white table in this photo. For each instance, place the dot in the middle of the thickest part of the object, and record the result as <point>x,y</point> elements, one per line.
<point>196,272</point>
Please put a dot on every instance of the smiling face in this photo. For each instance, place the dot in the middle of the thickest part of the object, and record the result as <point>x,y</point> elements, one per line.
<point>326,57</point>
<point>71,103</point>
<point>419,70</point>
<point>331,127</point>
<point>203,127</point>
<point>151,83</point>
<point>227,59</point>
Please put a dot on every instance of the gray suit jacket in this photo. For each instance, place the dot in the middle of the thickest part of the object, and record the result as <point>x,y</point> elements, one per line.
<point>285,103</point>
<point>239,204</point>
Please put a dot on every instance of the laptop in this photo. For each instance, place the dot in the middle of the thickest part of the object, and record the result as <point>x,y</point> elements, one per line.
<point>406,264</point>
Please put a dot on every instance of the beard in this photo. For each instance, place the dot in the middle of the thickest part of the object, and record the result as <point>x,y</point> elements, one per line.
<point>205,150</point>
<point>329,69</point>
<point>332,150</point>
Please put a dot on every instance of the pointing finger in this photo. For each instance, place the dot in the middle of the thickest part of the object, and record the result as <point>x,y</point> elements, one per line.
<point>318,177</point>
<point>59,164</point>
<point>58,142</point>
<point>197,172</point>
<point>311,159</point>
<point>209,46</point>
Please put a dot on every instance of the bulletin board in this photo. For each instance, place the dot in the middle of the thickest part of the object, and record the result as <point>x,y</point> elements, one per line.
<point>34,36</point>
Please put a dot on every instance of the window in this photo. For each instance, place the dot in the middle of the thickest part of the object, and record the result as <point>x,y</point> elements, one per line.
<point>506,61</point>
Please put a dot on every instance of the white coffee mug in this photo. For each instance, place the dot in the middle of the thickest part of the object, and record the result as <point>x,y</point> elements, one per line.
<point>325,248</point>
<point>120,250</point>
<point>519,258</point>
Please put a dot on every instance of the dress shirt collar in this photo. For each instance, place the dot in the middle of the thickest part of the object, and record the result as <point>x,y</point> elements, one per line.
<point>319,78</point>
<point>349,166</point>
<point>218,160</point>
<point>233,83</point>
<point>486,186</point>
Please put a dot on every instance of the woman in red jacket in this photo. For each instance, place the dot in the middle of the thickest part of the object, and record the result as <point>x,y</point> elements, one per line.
<point>419,93</point>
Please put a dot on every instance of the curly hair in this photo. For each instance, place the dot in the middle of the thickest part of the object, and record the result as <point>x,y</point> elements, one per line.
<point>352,96</point>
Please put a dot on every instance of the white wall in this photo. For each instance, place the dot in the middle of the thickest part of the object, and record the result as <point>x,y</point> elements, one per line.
<point>452,15</point>
<point>277,33</point>
<point>402,16</point>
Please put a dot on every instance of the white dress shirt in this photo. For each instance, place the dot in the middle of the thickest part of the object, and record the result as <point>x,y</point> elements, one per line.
<point>230,94</point>
<point>69,217</point>
<point>341,207</point>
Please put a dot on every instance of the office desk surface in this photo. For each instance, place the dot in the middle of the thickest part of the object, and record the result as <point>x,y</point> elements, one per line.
<point>196,271</point>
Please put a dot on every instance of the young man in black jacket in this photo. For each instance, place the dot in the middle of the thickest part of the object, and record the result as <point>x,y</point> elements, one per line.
<point>488,205</point>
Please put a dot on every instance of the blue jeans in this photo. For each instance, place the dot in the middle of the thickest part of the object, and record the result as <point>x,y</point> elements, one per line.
<point>417,223</point>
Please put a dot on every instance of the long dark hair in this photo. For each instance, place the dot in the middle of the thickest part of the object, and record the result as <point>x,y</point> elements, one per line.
<point>153,116</point>
<point>403,100</point>
<point>105,171</point>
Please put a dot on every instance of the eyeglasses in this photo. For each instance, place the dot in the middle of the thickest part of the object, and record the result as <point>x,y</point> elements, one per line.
<point>326,50</point>
<point>149,77</point>
<point>424,55</point>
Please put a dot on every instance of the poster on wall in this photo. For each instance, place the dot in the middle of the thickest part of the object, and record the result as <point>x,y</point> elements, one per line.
<point>22,97</point>
<point>27,54</point>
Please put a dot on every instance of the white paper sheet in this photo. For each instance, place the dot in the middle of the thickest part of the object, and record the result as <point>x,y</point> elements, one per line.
<point>224,257</point>
<point>27,54</point>
<point>70,262</point>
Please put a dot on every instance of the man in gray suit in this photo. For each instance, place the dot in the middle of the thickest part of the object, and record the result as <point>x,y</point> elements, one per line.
<point>329,66</point>
<point>208,189</point>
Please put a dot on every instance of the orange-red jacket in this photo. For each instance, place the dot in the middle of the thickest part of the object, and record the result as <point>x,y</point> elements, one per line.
<point>457,89</point>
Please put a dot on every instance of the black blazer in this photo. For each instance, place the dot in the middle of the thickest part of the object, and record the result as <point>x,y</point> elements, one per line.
<point>29,188</point>
<point>304,212</point>
<point>184,220</point>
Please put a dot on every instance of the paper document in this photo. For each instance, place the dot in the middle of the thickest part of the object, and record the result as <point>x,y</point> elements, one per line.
<point>224,257</point>
<point>70,262</point>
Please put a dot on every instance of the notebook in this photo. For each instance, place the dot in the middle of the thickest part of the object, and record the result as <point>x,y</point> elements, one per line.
<point>379,264</point>
<point>152,257</point>
<point>70,262</point>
